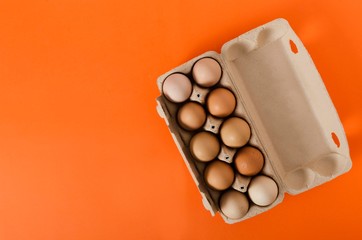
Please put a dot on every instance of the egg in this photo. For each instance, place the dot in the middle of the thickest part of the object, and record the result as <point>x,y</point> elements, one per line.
<point>219,175</point>
<point>234,204</point>
<point>235,132</point>
<point>204,146</point>
<point>263,190</point>
<point>177,88</point>
<point>191,116</point>
<point>249,161</point>
<point>206,72</point>
<point>221,102</point>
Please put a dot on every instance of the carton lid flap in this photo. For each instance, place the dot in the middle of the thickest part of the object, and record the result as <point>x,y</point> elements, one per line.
<point>288,104</point>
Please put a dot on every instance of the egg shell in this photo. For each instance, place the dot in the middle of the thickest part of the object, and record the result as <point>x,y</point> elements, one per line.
<point>234,204</point>
<point>235,132</point>
<point>191,116</point>
<point>204,146</point>
<point>177,88</point>
<point>219,175</point>
<point>206,72</point>
<point>249,161</point>
<point>263,190</point>
<point>221,102</point>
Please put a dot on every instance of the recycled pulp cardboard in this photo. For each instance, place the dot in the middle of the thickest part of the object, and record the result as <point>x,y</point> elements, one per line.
<point>281,95</point>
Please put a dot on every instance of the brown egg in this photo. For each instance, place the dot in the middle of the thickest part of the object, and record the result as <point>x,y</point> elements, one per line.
<point>234,204</point>
<point>235,132</point>
<point>221,102</point>
<point>249,161</point>
<point>206,72</point>
<point>191,116</point>
<point>204,146</point>
<point>219,175</point>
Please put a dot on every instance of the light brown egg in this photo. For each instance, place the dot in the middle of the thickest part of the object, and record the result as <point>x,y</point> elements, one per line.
<point>177,88</point>
<point>235,132</point>
<point>249,161</point>
<point>191,116</point>
<point>204,146</point>
<point>219,175</point>
<point>221,102</point>
<point>206,72</point>
<point>263,190</point>
<point>234,204</point>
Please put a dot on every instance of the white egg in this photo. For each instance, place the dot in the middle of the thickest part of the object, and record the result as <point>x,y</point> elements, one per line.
<point>234,204</point>
<point>263,190</point>
<point>177,88</point>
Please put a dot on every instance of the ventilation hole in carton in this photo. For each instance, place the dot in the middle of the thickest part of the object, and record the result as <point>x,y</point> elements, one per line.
<point>335,139</point>
<point>293,47</point>
<point>212,127</point>
<point>242,187</point>
<point>226,157</point>
<point>198,95</point>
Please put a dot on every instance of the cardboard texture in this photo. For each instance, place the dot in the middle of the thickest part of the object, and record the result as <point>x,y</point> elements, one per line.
<point>281,95</point>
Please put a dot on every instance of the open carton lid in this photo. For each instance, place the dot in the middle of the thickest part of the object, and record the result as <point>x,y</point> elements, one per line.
<point>288,105</point>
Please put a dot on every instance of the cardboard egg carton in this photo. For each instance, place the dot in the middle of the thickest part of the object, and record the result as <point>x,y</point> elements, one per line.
<point>281,95</point>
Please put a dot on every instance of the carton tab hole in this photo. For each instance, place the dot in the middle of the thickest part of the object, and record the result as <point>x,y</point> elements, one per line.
<point>293,47</point>
<point>335,139</point>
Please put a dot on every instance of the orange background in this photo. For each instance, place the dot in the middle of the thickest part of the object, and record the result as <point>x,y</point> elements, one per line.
<point>83,153</point>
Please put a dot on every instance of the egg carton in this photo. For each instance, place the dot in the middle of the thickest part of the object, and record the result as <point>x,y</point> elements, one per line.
<point>281,95</point>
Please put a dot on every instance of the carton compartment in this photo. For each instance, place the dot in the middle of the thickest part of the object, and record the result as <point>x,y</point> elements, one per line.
<point>212,124</point>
